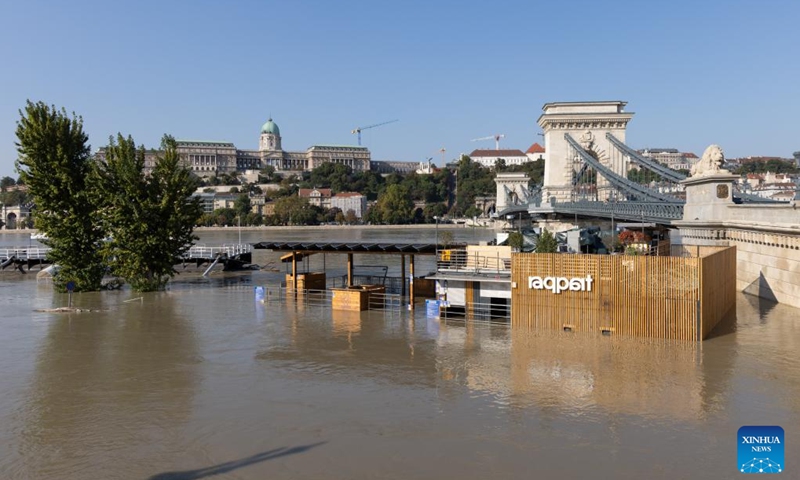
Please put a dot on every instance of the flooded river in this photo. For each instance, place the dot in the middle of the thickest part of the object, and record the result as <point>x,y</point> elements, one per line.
<point>202,382</point>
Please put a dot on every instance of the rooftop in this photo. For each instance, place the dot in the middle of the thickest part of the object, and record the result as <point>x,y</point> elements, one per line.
<point>535,148</point>
<point>497,153</point>
<point>322,145</point>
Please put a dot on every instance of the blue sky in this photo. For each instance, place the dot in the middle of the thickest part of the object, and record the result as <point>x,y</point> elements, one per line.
<point>695,73</point>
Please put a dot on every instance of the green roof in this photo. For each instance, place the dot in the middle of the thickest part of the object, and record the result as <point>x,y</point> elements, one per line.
<point>271,127</point>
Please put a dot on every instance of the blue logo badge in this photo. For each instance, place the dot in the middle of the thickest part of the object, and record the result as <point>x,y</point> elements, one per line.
<point>760,450</point>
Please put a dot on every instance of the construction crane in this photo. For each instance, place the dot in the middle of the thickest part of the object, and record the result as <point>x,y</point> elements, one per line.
<point>495,137</point>
<point>359,129</point>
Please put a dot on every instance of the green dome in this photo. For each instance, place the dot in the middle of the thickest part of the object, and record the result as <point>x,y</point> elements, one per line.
<point>271,127</point>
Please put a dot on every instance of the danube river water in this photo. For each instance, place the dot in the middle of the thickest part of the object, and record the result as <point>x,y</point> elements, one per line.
<point>200,382</point>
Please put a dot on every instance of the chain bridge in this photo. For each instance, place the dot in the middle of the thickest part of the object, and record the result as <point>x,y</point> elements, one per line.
<point>586,172</point>
<point>586,175</point>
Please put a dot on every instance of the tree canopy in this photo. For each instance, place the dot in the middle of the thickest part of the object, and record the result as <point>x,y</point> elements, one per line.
<point>546,243</point>
<point>149,219</point>
<point>54,161</point>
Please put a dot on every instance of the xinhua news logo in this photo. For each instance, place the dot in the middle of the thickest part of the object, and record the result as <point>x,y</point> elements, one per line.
<point>761,449</point>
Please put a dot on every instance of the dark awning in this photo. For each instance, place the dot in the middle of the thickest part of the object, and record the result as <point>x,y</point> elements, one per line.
<point>354,247</point>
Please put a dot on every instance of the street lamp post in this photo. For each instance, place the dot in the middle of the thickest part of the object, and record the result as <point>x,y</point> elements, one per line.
<point>436,219</point>
<point>643,237</point>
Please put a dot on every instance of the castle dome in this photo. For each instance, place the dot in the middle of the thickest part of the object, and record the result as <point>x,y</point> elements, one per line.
<point>270,127</point>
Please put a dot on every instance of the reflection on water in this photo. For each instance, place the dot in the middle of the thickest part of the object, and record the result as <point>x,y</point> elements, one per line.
<point>201,380</point>
<point>130,365</point>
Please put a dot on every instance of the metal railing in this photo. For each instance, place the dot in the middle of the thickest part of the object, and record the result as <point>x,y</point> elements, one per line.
<point>460,261</point>
<point>201,251</point>
<point>283,295</point>
<point>388,302</point>
<point>24,253</point>
<point>624,210</point>
<point>475,311</point>
<point>196,251</point>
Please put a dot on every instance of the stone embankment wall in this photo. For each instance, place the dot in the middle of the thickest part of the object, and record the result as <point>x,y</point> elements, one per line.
<point>767,257</point>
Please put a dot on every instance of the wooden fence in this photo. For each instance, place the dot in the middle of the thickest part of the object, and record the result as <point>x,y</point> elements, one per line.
<point>676,298</point>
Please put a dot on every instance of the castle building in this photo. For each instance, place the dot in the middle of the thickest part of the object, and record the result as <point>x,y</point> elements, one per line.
<point>209,158</point>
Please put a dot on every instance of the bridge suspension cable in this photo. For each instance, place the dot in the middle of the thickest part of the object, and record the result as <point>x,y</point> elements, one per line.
<point>639,191</point>
<point>675,176</point>
<point>652,165</point>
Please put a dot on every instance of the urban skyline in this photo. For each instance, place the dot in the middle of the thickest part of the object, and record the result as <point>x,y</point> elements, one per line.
<point>448,73</point>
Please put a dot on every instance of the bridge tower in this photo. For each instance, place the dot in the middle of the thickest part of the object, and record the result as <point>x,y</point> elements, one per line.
<point>587,123</point>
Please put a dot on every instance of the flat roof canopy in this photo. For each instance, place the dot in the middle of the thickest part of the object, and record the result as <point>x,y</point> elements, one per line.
<point>355,247</point>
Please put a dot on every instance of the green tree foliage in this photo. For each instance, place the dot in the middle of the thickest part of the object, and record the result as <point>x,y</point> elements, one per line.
<point>473,181</point>
<point>432,210</point>
<point>295,211</point>
<point>546,243</point>
<point>350,217</point>
<point>15,197</point>
<point>516,240</point>
<point>332,214</point>
<point>54,161</point>
<point>150,219</point>
<point>336,176</point>
<point>446,238</point>
<point>473,211</point>
<point>643,176</point>
<point>6,182</point>
<point>242,205</point>
<point>395,206</point>
<point>368,183</point>
<point>774,165</point>
<point>267,174</point>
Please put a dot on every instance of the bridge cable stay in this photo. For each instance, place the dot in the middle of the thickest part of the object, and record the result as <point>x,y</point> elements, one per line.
<point>621,183</point>
<point>673,175</point>
<point>652,165</point>
<point>577,177</point>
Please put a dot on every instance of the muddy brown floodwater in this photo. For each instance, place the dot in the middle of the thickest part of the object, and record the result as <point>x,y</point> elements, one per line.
<point>203,382</point>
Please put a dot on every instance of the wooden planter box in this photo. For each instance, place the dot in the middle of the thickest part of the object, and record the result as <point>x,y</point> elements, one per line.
<point>356,298</point>
<point>307,281</point>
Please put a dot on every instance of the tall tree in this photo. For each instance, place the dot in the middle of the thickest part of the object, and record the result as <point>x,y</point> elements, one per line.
<point>546,243</point>
<point>6,182</point>
<point>150,219</point>
<point>54,161</point>
<point>395,206</point>
<point>242,205</point>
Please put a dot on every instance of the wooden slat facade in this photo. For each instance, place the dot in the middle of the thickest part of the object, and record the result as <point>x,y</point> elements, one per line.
<point>717,287</point>
<point>644,296</point>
